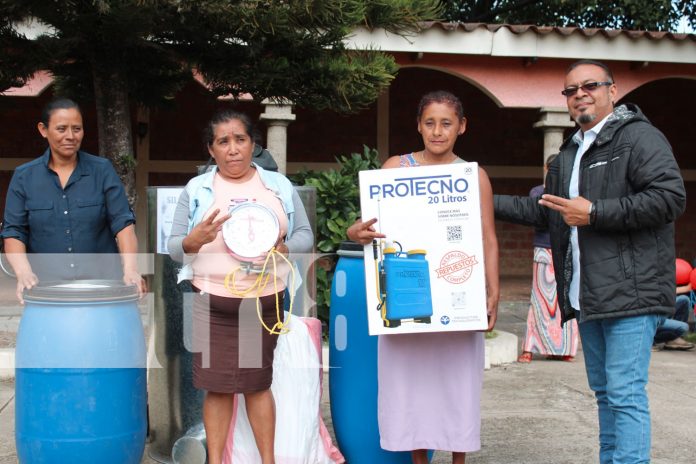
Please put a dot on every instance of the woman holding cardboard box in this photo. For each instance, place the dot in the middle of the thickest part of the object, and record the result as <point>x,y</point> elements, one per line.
<point>430,383</point>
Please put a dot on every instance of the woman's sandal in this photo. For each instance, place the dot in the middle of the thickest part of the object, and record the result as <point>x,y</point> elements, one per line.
<point>525,357</point>
<point>557,357</point>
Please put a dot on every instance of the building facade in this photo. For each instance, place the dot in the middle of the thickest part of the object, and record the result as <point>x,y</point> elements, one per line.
<point>509,79</point>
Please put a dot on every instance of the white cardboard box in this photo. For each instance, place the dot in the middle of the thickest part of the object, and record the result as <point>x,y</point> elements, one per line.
<point>434,209</point>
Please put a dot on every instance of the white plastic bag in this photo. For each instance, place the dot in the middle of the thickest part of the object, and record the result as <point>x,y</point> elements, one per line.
<point>301,436</point>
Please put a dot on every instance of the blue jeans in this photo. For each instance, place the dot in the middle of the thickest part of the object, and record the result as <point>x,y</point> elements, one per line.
<point>617,357</point>
<point>670,328</point>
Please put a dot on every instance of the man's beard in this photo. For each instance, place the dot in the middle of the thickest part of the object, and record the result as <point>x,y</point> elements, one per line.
<point>586,118</point>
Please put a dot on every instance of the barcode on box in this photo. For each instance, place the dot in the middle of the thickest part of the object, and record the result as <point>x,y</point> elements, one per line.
<point>458,300</point>
<point>454,233</point>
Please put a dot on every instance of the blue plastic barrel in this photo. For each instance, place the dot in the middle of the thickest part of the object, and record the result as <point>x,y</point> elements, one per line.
<point>353,360</point>
<point>81,394</point>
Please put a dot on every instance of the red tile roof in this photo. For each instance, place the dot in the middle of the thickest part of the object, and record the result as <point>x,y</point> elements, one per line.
<point>564,31</point>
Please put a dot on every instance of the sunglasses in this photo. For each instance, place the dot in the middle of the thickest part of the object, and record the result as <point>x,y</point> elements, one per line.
<point>589,87</point>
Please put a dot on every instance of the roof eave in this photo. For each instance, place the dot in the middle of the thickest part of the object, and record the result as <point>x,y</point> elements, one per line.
<point>532,41</point>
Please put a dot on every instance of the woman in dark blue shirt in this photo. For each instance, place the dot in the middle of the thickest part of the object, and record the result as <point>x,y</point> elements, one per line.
<point>72,203</point>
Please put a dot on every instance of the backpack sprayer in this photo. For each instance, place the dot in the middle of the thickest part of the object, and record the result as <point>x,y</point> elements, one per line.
<point>402,280</point>
<point>403,285</point>
<point>252,231</point>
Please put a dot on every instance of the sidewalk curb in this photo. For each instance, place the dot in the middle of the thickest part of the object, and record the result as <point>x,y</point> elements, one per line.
<point>9,324</point>
<point>501,350</point>
<point>7,364</point>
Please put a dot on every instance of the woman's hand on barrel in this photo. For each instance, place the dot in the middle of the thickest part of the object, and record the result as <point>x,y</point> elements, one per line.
<point>26,280</point>
<point>133,277</point>
<point>363,232</point>
<point>204,232</point>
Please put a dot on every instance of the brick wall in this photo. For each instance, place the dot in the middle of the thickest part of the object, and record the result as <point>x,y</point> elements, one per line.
<point>669,105</point>
<point>176,131</point>
<point>320,136</point>
<point>19,135</point>
<point>495,136</point>
<point>685,242</point>
<point>514,241</point>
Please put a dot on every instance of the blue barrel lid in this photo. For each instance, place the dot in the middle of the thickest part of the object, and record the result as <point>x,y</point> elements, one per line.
<point>351,249</point>
<point>81,291</point>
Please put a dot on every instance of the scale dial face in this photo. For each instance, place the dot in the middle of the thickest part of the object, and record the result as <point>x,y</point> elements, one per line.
<point>251,231</point>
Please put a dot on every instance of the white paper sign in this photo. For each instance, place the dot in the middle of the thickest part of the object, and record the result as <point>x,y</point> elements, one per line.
<point>167,198</point>
<point>429,275</point>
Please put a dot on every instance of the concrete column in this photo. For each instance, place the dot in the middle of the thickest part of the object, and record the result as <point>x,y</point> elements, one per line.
<point>278,115</point>
<point>554,121</point>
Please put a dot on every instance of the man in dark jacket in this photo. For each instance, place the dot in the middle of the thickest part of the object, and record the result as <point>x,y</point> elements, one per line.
<point>611,199</point>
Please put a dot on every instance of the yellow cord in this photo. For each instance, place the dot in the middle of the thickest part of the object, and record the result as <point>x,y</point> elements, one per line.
<point>260,285</point>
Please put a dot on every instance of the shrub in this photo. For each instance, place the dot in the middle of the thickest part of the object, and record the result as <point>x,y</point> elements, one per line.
<point>338,205</point>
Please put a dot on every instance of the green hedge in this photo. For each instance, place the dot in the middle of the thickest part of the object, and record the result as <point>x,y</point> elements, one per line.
<point>338,205</point>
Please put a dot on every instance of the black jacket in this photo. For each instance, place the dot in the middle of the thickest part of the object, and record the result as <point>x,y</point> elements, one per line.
<point>627,254</point>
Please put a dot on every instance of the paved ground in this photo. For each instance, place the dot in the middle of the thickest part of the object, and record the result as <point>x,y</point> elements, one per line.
<point>538,413</point>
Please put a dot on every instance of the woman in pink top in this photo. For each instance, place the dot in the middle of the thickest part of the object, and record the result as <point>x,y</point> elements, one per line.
<point>233,352</point>
<point>429,384</point>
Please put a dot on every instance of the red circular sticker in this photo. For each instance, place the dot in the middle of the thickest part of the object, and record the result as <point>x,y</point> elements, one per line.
<point>456,267</point>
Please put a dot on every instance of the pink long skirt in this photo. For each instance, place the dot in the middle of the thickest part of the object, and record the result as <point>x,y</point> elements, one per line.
<point>429,391</point>
<point>544,332</point>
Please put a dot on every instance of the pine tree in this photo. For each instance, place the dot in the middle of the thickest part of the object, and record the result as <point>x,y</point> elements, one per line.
<point>124,52</point>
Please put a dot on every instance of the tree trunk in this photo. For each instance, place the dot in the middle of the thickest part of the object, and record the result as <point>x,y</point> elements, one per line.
<point>114,126</point>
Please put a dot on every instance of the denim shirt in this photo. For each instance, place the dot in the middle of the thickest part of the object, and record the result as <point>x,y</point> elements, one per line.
<point>202,196</point>
<point>81,218</point>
